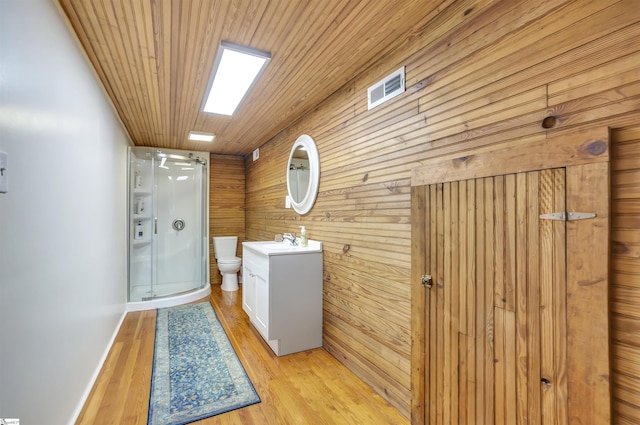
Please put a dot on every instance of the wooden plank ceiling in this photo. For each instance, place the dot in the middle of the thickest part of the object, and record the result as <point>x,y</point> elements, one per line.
<point>154,58</point>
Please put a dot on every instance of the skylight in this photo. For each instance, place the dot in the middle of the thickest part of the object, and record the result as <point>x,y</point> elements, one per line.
<point>197,136</point>
<point>234,73</point>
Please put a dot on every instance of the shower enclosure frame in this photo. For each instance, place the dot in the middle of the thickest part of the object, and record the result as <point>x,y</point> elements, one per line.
<point>154,225</point>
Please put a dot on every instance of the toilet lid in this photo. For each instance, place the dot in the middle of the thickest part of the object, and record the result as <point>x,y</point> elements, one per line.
<point>229,260</point>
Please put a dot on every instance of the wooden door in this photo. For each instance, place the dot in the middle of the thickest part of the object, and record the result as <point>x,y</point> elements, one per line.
<point>494,346</point>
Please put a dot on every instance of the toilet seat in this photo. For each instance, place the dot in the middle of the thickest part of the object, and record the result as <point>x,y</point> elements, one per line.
<point>229,260</point>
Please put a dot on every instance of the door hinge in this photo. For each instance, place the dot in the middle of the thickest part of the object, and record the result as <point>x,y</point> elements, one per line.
<point>567,216</point>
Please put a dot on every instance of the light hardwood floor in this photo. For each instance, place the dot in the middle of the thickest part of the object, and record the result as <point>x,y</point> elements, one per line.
<point>310,387</point>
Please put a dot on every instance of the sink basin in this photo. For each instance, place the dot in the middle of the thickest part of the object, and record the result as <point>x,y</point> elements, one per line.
<point>282,248</point>
<point>277,246</point>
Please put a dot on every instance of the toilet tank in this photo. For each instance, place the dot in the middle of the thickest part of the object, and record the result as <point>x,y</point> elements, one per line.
<point>224,246</point>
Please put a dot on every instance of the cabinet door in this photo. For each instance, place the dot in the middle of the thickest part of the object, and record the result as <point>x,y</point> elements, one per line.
<point>262,304</point>
<point>249,290</point>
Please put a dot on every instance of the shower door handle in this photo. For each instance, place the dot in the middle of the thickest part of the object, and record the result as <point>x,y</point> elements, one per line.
<point>155,225</point>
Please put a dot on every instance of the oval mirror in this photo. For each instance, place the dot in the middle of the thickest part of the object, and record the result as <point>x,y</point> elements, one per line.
<point>303,174</point>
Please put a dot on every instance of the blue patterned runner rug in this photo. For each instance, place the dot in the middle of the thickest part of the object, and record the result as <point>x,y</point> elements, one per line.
<point>196,373</point>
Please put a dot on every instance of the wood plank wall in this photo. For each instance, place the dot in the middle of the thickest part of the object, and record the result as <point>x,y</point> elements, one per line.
<point>625,273</point>
<point>481,76</point>
<point>226,204</point>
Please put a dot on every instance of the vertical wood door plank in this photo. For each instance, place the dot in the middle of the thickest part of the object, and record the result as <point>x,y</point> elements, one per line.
<point>479,298</point>
<point>560,299</point>
<point>588,288</point>
<point>439,285</point>
<point>500,366</point>
<point>533,295</point>
<point>463,414</point>
<point>463,255</point>
<point>419,297</point>
<point>448,283</point>
<point>547,311</point>
<point>510,238</point>
<point>454,278</point>
<point>471,259</point>
<point>510,367</point>
<point>488,299</point>
<point>522,354</point>
<point>500,296</point>
<point>505,368</point>
<point>433,307</point>
<point>470,340</point>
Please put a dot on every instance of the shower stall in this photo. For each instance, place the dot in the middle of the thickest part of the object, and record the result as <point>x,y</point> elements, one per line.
<point>168,227</point>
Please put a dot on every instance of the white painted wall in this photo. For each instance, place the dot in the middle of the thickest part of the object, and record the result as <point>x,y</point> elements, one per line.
<point>63,221</point>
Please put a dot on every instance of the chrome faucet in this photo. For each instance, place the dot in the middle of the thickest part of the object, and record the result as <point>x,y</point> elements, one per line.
<point>291,238</point>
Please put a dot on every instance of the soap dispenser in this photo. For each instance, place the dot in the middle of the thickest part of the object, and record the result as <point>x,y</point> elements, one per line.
<point>304,242</point>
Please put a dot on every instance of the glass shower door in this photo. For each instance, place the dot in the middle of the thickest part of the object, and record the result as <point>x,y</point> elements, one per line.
<point>178,227</point>
<point>168,250</point>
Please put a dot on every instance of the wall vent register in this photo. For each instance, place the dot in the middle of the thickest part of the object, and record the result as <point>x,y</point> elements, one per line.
<point>388,88</point>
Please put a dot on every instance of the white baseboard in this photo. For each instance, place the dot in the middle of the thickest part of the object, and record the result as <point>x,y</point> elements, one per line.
<point>96,373</point>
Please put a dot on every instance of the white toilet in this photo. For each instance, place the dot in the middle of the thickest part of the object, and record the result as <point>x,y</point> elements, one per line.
<point>224,249</point>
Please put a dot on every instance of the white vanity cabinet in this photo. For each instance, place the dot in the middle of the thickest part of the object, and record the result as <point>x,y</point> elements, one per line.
<point>282,294</point>
<point>255,294</point>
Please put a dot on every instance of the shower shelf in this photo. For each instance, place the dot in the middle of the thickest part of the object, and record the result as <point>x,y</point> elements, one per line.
<point>140,217</point>
<point>141,242</point>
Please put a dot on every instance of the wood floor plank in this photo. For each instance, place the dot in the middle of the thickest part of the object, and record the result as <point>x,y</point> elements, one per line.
<point>92,405</point>
<point>307,387</point>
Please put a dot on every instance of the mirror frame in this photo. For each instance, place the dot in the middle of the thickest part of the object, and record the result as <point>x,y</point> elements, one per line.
<point>304,206</point>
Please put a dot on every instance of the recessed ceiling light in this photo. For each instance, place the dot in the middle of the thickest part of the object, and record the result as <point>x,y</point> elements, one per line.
<point>234,72</point>
<point>197,136</point>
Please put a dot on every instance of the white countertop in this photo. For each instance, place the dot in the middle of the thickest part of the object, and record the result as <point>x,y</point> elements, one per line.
<point>282,248</point>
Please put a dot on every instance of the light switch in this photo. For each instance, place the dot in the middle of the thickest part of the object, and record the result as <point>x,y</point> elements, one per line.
<point>4,174</point>
<point>287,202</point>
